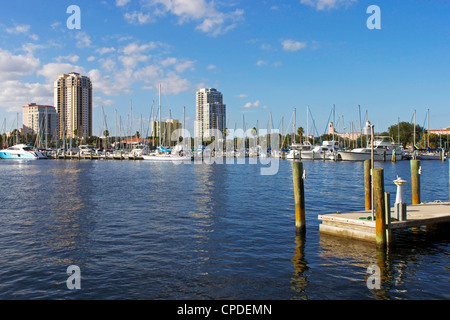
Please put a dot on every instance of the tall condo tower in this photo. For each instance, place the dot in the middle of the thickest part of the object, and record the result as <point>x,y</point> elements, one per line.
<point>211,113</point>
<point>73,103</point>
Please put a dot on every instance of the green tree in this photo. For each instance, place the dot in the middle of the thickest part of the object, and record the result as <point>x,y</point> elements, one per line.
<point>300,132</point>
<point>406,133</point>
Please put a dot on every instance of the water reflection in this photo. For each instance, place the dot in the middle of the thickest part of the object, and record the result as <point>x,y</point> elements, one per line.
<point>69,208</point>
<point>299,280</point>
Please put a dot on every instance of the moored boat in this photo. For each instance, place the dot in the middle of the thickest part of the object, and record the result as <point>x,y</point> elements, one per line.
<point>383,149</point>
<point>21,151</point>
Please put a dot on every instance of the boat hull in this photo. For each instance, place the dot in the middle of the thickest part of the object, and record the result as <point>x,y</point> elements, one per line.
<point>161,158</point>
<point>362,156</point>
<point>21,156</point>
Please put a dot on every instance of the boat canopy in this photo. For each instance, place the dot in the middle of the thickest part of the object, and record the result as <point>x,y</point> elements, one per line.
<point>162,149</point>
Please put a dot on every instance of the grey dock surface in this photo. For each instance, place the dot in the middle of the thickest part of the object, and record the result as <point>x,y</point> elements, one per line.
<point>355,225</point>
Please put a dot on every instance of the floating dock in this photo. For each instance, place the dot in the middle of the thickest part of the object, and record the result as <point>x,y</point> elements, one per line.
<point>359,225</point>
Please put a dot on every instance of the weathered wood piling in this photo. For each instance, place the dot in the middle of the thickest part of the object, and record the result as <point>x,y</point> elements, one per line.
<point>299,196</point>
<point>415,181</point>
<point>380,208</point>
<point>367,184</point>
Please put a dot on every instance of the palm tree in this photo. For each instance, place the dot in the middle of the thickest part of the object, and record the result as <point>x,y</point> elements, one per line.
<point>300,132</point>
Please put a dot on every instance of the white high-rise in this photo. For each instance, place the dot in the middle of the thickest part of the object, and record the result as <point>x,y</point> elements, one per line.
<point>211,113</point>
<point>41,120</point>
<point>73,103</point>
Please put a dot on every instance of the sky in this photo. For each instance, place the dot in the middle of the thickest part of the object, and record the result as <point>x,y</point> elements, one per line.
<point>267,58</point>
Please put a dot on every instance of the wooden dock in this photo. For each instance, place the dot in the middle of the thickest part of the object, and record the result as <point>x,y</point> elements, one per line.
<point>358,225</point>
<point>94,157</point>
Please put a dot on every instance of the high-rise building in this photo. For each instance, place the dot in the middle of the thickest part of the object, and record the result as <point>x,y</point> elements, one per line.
<point>40,120</point>
<point>73,103</point>
<point>211,113</point>
<point>166,128</point>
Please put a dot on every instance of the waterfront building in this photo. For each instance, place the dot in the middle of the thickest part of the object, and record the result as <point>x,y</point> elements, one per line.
<point>40,119</point>
<point>210,112</point>
<point>344,135</point>
<point>166,128</point>
<point>73,103</point>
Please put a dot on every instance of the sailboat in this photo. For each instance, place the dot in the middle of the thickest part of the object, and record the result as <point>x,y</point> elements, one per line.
<point>429,154</point>
<point>166,154</point>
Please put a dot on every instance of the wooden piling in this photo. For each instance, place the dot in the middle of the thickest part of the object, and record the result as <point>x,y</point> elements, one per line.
<point>368,184</point>
<point>380,209</point>
<point>387,205</point>
<point>415,181</point>
<point>393,156</point>
<point>299,196</point>
<point>384,155</point>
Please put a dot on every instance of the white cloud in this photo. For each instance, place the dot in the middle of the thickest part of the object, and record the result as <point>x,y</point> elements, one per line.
<point>134,48</point>
<point>23,28</point>
<point>14,94</point>
<point>173,83</point>
<point>242,95</point>
<point>291,45</point>
<point>70,58</point>
<point>250,105</point>
<point>14,66</point>
<point>108,64</point>
<point>131,61</point>
<point>51,71</point>
<point>105,50</point>
<point>121,3</point>
<point>137,18</point>
<point>211,20</point>
<point>211,67</point>
<point>108,85</point>
<point>84,40</point>
<point>327,4</point>
<point>261,63</point>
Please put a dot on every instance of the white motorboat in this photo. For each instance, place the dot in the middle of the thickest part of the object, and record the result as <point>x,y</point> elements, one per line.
<point>317,153</point>
<point>21,151</point>
<point>86,149</point>
<point>297,149</point>
<point>163,154</point>
<point>430,154</point>
<point>383,149</point>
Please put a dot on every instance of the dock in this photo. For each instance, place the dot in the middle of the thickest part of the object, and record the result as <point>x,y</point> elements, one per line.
<point>94,157</point>
<point>359,225</point>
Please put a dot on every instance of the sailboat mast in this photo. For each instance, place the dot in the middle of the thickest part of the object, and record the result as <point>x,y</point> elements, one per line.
<point>428,129</point>
<point>159,115</point>
<point>414,129</point>
<point>307,122</point>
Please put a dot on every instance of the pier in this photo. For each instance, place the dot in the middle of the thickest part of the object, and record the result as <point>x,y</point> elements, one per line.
<point>358,225</point>
<point>94,157</point>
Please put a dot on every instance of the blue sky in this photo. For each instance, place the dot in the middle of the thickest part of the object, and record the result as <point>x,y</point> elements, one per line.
<point>266,57</point>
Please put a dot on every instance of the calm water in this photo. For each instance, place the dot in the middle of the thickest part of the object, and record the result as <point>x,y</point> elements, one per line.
<point>141,230</point>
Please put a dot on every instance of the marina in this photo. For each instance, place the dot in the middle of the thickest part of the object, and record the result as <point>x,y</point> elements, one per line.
<point>236,238</point>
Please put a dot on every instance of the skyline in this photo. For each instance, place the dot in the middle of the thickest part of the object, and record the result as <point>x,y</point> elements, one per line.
<point>266,59</point>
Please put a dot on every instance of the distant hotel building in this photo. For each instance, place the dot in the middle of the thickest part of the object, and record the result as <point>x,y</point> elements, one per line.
<point>345,135</point>
<point>40,119</point>
<point>73,103</point>
<point>211,113</point>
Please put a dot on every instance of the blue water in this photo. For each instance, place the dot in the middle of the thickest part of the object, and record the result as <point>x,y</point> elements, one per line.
<point>142,230</point>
